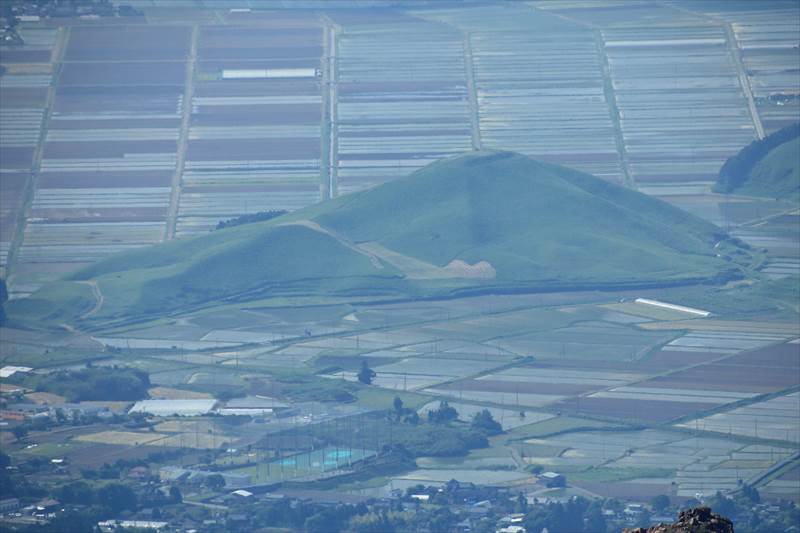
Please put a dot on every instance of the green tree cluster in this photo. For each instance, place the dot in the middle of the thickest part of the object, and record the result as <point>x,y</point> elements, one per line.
<point>443,414</point>
<point>485,422</point>
<point>95,383</point>
<point>261,216</point>
<point>737,168</point>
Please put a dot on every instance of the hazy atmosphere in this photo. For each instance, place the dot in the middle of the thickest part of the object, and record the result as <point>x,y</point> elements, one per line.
<point>381,266</point>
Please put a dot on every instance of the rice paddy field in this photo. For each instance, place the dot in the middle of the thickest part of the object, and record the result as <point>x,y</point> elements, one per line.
<point>677,464</point>
<point>774,419</point>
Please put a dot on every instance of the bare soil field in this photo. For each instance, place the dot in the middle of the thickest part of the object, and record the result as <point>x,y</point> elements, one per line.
<point>25,56</point>
<point>104,43</point>
<point>59,125</point>
<point>13,97</point>
<point>765,370</point>
<point>235,115</point>
<point>16,157</point>
<point>90,180</point>
<point>131,74</point>
<point>213,38</point>
<point>101,214</point>
<point>664,360</point>
<point>252,149</point>
<point>100,149</point>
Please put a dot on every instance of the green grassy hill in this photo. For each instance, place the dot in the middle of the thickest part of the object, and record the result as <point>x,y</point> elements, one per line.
<point>769,167</point>
<point>488,221</point>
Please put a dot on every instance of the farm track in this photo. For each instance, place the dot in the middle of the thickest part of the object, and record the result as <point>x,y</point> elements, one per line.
<point>183,143</point>
<point>98,296</point>
<point>341,240</point>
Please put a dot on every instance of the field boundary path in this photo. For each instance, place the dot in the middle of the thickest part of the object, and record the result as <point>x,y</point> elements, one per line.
<point>330,148</point>
<point>472,93</point>
<point>613,109</point>
<point>608,92</point>
<point>736,56</point>
<point>183,139</point>
<point>56,58</point>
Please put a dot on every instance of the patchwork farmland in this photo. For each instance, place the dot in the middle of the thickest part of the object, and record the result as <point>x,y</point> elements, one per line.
<point>120,135</point>
<point>253,144</point>
<point>117,134</point>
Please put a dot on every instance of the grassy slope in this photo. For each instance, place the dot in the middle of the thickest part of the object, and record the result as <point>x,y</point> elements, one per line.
<point>536,223</point>
<point>281,260</point>
<point>777,175</point>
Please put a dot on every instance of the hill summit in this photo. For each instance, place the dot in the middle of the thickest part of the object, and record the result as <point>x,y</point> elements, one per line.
<point>480,222</point>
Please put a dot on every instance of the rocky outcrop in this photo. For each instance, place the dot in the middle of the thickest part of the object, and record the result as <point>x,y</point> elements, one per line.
<point>698,520</point>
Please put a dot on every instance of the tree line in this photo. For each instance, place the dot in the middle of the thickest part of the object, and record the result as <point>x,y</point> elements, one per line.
<point>261,216</point>
<point>737,168</point>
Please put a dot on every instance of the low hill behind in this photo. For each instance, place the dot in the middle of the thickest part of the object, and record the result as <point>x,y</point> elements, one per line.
<point>769,167</point>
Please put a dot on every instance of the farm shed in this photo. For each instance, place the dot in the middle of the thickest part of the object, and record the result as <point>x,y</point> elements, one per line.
<point>196,407</point>
<point>254,73</point>
<point>553,479</point>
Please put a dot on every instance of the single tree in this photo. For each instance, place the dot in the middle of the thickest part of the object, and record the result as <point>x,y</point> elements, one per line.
<point>20,432</point>
<point>366,374</point>
<point>485,422</point>
<point>215,482</point>
<point>3,300</point>
<point>398,407</point>
<point>117,497</point>
<point>175,494</point>
<point>660,502</point>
